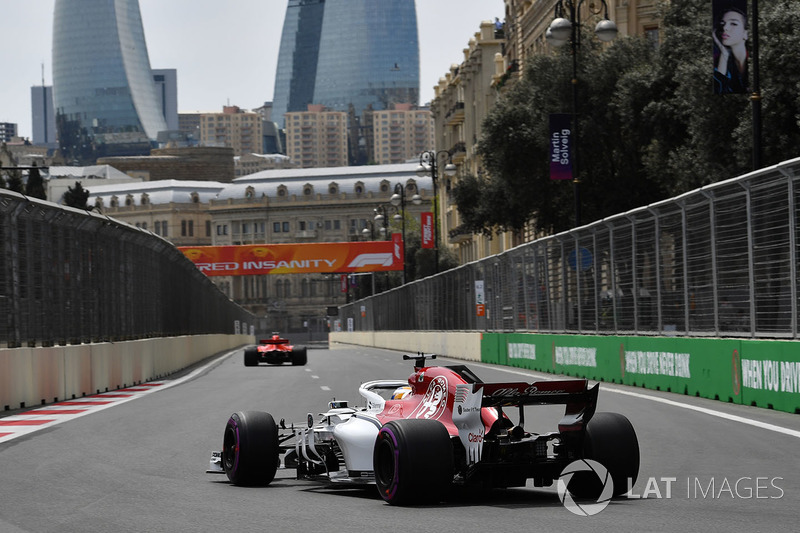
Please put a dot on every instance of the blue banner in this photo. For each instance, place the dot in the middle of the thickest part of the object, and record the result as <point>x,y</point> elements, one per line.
<point>560,147</point>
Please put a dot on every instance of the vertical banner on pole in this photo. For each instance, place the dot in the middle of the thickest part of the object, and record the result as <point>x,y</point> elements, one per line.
<point>427,230</point>
<point>560,147</point>
<point>397,248</point>
<point>729,34</point>
<point>480,301</point>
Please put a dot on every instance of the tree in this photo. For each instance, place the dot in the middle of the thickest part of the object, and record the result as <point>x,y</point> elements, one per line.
<point>515,146</point>
<point>77,197</point>
<point>35,185</point>
<point>649,125</point>
<point>14,181</point>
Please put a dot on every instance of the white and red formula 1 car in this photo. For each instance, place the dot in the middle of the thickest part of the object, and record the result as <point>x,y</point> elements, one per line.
<point>274,351</point>
<point>415,439</point>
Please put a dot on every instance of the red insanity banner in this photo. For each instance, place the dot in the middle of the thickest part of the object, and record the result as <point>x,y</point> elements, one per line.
<point>427,230</point>
<point>328,257</point>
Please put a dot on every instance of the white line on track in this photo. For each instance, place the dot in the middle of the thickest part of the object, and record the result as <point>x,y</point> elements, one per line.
<point>665,401</point>
<point>323,387</point>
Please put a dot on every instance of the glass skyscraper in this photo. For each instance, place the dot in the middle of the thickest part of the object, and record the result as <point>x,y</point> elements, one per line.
<point>339,53</point>
<point>103,88</point>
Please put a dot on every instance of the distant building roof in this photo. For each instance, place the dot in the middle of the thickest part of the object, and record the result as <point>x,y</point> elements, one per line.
<point>158,192</point>
<point>275,157</point>
<point>267,182</point>
<point>90,172</point>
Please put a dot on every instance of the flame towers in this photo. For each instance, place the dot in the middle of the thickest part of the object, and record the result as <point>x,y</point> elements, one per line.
<point>104,97</point>
<point>343,53</point>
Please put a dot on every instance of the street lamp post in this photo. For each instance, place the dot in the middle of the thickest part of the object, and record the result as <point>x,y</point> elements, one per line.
<point>399,200</point>
<point>561,31</point>
<point>429,165</point>
<point>382,219</point>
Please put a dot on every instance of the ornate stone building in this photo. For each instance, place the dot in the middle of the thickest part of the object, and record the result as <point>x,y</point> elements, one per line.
<point>274,207</point>
<point>493,60</point>
<point>462,100</point>
<point>308,206</point>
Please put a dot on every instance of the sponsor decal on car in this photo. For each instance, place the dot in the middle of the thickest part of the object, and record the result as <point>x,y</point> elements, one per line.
<point>434,401</point>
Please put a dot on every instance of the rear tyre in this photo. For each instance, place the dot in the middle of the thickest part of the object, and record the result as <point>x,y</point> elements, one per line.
<point>413,462</point>
<point>250,448</point>
<point>299,356</point>
<point>251,356</point>
<point>611,441</point>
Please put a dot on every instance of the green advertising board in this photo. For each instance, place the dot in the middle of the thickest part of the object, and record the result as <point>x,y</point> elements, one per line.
<point>759,373</point>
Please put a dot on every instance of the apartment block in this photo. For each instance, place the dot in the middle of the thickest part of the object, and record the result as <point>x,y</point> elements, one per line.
<point>317,137</point>
<point>401,133</point>
<point>8,130</point>
<point>233,128</point>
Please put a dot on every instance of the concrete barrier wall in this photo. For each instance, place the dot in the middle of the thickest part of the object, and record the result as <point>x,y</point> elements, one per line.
<point>457,344</point>
<point>35,376</point>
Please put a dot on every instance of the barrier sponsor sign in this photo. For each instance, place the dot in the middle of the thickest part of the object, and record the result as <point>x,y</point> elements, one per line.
<point>480,302</point>
<point>247,260</point>
<point>763,373</point>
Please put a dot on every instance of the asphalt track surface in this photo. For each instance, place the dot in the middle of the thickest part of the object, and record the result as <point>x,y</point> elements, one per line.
<point>139,465</point>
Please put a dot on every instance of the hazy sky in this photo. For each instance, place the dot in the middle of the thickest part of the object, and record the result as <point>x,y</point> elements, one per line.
<point>224,50</point>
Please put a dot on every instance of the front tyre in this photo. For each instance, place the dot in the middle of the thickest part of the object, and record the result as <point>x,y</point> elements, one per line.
<point>413,462</point>
<point>611,441</point>
<point>250,448</point>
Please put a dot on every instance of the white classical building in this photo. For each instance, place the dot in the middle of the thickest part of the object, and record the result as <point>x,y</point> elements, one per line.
<point>312,205</point>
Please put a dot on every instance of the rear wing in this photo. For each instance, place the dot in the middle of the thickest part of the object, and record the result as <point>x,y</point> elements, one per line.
<point>569,391</point>
<point>470,398</point>
<point>274,341</point>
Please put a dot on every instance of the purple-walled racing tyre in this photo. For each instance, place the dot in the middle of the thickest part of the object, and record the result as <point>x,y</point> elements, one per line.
<point>250,448</point>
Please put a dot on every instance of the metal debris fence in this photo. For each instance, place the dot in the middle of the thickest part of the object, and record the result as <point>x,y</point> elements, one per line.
<point>717,261</point>
<point>69,276</point>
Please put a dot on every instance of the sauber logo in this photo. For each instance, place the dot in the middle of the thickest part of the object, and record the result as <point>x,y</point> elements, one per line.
<point>384,259</point>
<point>435,400</point>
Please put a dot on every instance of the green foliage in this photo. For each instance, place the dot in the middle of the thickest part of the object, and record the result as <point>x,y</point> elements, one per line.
<point>14,181</point>
<point>35,185</point>
<point>77,197</point>
<point>649,126</point>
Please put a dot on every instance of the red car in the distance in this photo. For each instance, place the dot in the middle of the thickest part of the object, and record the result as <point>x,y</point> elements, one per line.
<point>274,351</point>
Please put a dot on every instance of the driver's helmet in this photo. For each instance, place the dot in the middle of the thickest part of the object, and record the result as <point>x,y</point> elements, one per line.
<point>401,392</point>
